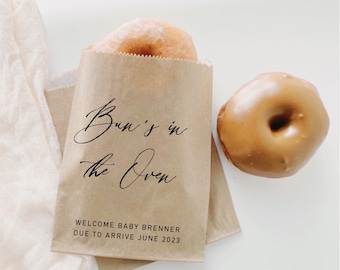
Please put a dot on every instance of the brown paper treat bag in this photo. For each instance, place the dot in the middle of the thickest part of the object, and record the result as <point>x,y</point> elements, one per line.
<point>135,177</point>
<point>222,220</point>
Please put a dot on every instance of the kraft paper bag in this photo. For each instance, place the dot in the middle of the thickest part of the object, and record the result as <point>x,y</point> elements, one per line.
<point>135,176</point>
<point>222,219</point>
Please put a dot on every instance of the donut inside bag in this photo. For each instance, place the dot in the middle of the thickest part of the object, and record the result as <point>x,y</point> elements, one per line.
<point>149,37</point>
<point>135,178</point>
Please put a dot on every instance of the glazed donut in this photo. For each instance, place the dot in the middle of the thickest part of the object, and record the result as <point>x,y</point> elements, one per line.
<point>272,125</point>
<point>152,37</point>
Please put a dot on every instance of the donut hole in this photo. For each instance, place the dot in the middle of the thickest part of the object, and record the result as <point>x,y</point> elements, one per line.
<point>279,122</point>
<point>143,49</point>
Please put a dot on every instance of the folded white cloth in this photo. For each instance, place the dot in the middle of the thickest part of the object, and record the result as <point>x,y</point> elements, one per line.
<point>29,151</point>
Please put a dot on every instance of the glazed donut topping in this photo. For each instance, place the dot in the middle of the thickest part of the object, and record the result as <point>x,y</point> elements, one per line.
<point>272,125</point>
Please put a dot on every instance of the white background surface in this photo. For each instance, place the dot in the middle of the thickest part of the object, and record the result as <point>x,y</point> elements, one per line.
<point>289,223</point>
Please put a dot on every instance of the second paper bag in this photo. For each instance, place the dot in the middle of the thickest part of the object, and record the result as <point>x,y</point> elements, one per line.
<point>135,176</point>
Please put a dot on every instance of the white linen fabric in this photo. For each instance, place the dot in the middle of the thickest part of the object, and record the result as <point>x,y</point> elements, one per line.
<point>29,149</point>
